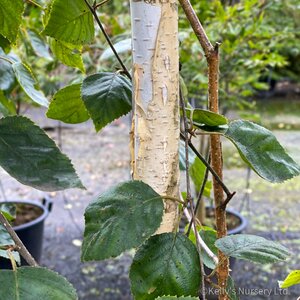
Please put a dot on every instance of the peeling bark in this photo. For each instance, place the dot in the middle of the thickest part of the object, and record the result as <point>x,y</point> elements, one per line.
<point>155,124</point>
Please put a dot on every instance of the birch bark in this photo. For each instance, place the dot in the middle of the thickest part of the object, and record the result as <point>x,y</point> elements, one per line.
<point>155,123</point>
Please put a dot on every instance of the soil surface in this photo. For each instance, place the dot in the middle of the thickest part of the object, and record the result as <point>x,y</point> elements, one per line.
<point>26,213</point>
<point>102,160</point>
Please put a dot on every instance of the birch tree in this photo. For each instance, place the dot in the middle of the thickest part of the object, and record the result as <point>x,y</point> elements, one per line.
<point>155,123</point>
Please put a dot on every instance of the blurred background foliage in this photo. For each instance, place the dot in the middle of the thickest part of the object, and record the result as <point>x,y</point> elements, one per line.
<point>259,46</point>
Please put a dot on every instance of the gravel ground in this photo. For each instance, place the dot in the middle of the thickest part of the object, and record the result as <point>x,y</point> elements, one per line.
<point>102,160</point>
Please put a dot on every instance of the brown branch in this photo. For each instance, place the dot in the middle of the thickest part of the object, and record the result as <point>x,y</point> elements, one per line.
<point>19,244</point>
<point>212,57</point>
<point>197,27</point>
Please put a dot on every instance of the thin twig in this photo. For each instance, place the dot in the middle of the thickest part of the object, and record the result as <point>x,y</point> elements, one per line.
<point>186,140</point>
<point>36,4</point>
<point>188,187</point>
<point>100,4</point>
<point>199,196</point>
<point>6,59</point>
<point>174,199</point>
<point>212,171</point>
<point>19,244</point>
<point>94,13</point>
<point>226,201</point>
<point>201,242</point>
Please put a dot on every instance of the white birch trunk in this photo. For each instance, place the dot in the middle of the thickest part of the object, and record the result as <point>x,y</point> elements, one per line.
<point>155,124</point>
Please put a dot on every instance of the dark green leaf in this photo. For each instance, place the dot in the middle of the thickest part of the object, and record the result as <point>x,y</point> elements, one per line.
<point>8,210</point>
<point>261,151</point>
<point>292,279</point>
<point>29,283</point>
<point>253,248</point>
<point>165,264</point>
<point>205,117</point>
<point>120,219</point>
<point>212,129</point>
<point>38,44</point>
<point>28,83</point>
<point>107,96</point>
<point>192,156</point>
<point>67,106</point>
<point>231,291</point>
<point>4,44</point>
<point>7,76</point>
<point>68,54</point>
<point>70,21</point>
<point>10,18</point>
<point>30,156</point>
<point>7,107</point>
<point>176,298</point>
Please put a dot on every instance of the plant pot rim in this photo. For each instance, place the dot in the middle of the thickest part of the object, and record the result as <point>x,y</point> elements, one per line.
<point>243,221</point>
<point>45,207</point>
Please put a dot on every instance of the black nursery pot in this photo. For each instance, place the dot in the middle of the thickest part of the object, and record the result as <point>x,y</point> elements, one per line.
<point>30,233</point>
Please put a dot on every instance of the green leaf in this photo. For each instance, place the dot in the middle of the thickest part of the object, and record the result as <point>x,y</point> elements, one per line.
<point>15,254</point>
<point>31,157</point>
<point>7,107</point>
<point>68,54</point>
<point>107,96</point>
<point>231,290</point>
<point>192,156</point>
<point>28,83</point>
<point>209,236</point>
<point>176,298</point>
<point>292,279</point>
<point>8,210</point>
<point>121,47</point>
<point>38,44</point>
<point>67,106</point>
<point>166,264</point>
<point>10,18</point>
<point>205,117</point>
<point>70,21</point>
<point>29,283</point>
<point>120,219</point>
<point>7,76</point>
<point>6,240</point>
<point>197,173</point>
<point>260,149</point>
<point>253,248</point>
<point>5,44</point>
<point>212,129</point>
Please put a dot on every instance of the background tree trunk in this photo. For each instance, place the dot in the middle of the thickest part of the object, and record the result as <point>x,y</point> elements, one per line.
<point>155,123</point>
